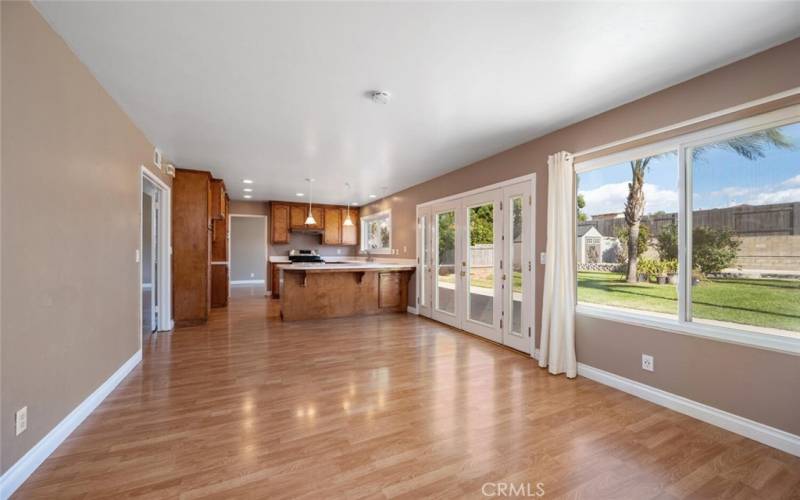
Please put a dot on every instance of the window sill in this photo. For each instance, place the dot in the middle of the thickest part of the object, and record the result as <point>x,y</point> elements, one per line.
<point>769,341</point>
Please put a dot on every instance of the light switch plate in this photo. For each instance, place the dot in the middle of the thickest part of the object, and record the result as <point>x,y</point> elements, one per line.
<point>21,420</point>
<point>542,258</point>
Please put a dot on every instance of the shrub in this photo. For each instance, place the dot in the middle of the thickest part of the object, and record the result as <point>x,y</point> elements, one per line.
<point>667,243</point>
<point>713,249</point>
<point>671,266</point>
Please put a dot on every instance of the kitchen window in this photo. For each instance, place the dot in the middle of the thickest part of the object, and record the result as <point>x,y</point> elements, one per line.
<point>699,234</point>
<point>376,231</point>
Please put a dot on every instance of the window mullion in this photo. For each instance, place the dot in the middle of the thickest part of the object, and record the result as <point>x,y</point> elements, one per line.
<point>684,235</point>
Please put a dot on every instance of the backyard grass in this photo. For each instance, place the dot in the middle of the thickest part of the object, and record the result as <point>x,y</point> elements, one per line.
<point>486,282</point>
<point>767,303</point>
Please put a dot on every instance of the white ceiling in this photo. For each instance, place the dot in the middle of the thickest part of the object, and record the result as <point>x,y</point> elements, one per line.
<point>276,92</point>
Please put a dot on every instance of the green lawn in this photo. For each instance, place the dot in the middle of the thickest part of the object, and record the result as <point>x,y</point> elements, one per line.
<point>487,282</point>
<point>759,302</point>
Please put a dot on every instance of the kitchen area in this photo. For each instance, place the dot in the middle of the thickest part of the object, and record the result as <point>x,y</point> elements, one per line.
<point>315,269</point>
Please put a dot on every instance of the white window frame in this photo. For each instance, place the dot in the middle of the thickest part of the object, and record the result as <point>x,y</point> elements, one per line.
<point>384,214</point>
<point>764,340</point>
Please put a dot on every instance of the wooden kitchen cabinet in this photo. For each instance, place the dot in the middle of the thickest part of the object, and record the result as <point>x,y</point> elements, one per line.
<point>298,214</point>
<point>332,234</point>
<point>219,285</point>
<point>350,233</point>
<point>217,199</point>
<point>319,218</point>
<point>191,247</point>
<point>279,232</point>
<point>274,275</point>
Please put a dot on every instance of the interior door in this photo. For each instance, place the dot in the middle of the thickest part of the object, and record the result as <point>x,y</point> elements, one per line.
<point>481,265</point>
<point>424,262</point>
<point>447,282</point>
<point>518,266</point>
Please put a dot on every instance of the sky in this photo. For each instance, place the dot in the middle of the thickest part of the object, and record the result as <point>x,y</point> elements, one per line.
<point>721,179</point>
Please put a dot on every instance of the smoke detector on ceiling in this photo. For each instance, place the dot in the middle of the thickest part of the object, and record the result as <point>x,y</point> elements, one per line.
<point>380,96</point>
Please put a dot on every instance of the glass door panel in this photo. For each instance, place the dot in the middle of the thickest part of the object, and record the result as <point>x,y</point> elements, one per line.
<point>425,265</point>
<point>481,264</point>
<point>518,296</point>
<point>446,252</point>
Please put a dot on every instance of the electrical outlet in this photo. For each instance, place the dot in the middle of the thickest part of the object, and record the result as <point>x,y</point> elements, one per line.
<point>648,363</point>
<point>252,275</point>
<point>21,420</point>
<point>338,251</point>
<point>137,256</point>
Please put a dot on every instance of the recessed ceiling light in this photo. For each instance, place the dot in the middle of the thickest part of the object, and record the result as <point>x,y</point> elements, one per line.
<point>248,190</point>
<point>380,96</point>
<point>373,196</point>
<point>299,194</point>
<point>247,196</point>
<point>247,181</point>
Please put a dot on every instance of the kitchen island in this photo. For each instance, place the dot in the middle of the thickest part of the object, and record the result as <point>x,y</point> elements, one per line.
<point>336,290</point>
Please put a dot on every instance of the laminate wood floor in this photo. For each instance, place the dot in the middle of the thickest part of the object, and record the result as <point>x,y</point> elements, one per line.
<point>388,406</point>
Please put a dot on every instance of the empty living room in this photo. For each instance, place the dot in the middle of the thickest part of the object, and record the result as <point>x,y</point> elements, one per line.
<point>386,249</point>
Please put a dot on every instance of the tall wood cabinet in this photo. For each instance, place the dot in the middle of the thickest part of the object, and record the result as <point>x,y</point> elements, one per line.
<point>220,263</point>
<point>199,237</point>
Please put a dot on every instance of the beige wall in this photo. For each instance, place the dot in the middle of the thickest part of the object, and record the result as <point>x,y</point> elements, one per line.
<point>70,227</point>
<point>601,344</point>
<point>248,249</point>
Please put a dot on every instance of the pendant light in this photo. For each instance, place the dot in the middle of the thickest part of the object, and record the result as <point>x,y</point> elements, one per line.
<point>347,220</point>
<point>310,219</point>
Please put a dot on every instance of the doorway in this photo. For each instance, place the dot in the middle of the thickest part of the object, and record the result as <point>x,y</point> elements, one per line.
<point>476,262</point>
<point>154,260</point>
<point>248,254</point>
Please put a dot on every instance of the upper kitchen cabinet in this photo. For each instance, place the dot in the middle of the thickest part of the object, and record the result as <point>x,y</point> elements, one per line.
<point>298,216</point>
<point>349,233</point>
<point>319,218</point>
<point>279,232</point>
<point>217,199</point>
<point>332,234</point>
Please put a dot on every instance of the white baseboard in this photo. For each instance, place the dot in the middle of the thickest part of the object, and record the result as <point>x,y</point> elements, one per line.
<point>412,310</point>
<point>756,431</point>
<point>247,282</point>
<point>25,466</point>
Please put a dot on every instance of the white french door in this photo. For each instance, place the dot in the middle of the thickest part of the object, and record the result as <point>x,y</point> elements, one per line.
<point>446,286</point>
<point>481,243</point>
<point>475,256</point>
<point>517,272</point>
<point>424,262</point>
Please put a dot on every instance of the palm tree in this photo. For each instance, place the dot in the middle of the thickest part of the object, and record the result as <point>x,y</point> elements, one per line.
<point>750,146</point>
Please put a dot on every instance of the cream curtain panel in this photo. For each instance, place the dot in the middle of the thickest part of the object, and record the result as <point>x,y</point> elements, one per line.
<point>557,345</point>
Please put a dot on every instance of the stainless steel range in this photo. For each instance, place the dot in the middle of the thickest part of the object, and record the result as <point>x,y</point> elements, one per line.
<point>299,255</point>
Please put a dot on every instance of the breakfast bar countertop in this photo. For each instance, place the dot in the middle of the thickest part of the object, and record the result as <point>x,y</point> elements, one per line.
<point>329,267</point>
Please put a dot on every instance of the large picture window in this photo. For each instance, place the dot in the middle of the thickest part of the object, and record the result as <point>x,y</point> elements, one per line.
<point>702,231</point>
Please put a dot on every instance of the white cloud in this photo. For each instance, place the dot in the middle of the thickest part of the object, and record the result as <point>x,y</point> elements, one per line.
<point>610,198</point>
<point>794,181</point>
<point>779,196</point>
